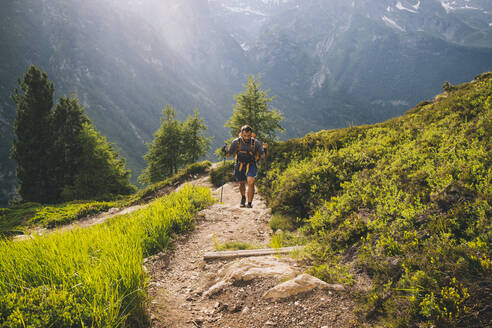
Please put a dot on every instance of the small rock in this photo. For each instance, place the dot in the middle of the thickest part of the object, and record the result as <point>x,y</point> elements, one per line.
<point>296,303</point>
<point>270,323</point>
<point>325,327</point>
<point>245,310</point>
<point>217,305</point>
<point>235,308</point>
<point>300,284</point>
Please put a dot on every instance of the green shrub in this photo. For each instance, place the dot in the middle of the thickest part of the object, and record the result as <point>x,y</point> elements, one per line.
<point>52,216</point>
<point>282,222</point>
<point>407,201</point>
<point>183,175</point>
<point>222,174</point>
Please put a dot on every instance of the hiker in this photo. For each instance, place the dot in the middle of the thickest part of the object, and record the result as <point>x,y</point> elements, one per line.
<point>248,151</point>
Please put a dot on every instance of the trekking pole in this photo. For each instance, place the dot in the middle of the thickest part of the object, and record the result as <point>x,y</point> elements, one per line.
<point>223,177</point>
<point>266,169</point>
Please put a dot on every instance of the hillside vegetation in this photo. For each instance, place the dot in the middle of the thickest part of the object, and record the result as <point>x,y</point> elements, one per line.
<point>405,203</point>
<point>19,217</point>
<point>91,277</point>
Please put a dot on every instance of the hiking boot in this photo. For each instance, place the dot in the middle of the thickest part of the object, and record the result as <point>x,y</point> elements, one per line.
<point>243,201</point>
<point>250,205</point>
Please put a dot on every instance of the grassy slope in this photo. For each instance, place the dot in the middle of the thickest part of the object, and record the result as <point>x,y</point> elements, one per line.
<point>407,201</point>
<point>91,277</point>
<point>16,219</point>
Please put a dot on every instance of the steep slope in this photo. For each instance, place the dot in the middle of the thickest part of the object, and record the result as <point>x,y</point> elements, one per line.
<point>405,205</point>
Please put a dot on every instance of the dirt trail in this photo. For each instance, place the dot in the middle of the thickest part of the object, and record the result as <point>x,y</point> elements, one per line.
<point>180,277</point>
<point>82,223</point>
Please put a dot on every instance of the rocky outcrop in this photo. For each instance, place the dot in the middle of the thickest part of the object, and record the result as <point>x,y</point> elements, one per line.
<point>301,284</point>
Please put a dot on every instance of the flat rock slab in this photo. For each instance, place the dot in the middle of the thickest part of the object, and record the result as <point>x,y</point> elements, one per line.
<point>301,284</point>
<point>252,268</point>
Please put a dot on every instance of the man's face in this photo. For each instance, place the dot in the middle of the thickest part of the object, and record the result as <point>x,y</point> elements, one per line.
<point>246,135</point>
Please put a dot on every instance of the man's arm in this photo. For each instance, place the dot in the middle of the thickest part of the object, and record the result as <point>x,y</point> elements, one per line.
<point>232,148</point>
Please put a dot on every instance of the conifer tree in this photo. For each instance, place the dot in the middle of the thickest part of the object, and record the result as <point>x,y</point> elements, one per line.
<point>175,144</point>
<point>101,172</point>
<point>252,109</point>
<point>165,152</point>
<point>59,155</point>
<point>195,144</point>
<point>32,143</point>
<point>67,125</point>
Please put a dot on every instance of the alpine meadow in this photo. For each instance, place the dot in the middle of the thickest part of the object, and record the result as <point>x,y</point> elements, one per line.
<point>359,193</point>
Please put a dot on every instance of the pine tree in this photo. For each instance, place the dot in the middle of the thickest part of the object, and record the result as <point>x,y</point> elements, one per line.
<point>59,155</point>
<point>175,144</point>
<point>101,172</point>
<point>32,144</point>
<point>165,152</point>
<point>67,125</point>
<point>86,165</point>
<point>195,144</point>
<point>252,109</point>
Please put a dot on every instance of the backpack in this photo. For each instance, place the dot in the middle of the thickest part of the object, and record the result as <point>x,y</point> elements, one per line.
<point>246,154</point>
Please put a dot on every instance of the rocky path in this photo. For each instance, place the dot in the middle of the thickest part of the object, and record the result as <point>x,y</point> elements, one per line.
<point>185,291</point>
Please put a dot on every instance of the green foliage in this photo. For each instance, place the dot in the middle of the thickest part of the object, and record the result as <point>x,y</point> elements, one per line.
<point>407,201</point>
<point>184,174</point>
<point>222,174</point>
<point>32,141</point>
<point>91,277</point>
<point>15,219</point>
<point>282,222</point>
<point>52,216</point>
<point>233,245</point>
<point>175,144</point>
<point>252,109</point>
<point>59,155</point>
<point>101,172</point>
<point>332,273</point>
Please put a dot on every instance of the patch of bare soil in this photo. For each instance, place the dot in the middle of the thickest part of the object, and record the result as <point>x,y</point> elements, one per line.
<point>180,278</point>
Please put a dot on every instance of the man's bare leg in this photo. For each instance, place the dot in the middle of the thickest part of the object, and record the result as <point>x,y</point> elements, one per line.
<point>242,188</point>
<point>251,189</point>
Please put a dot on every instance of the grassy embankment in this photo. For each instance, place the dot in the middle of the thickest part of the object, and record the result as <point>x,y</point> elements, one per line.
<point>91,277</point>
<point>15,219</point>
<point>406,202</point>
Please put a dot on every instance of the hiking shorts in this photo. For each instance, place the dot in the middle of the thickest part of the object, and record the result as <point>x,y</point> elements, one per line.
<point>242,171</point>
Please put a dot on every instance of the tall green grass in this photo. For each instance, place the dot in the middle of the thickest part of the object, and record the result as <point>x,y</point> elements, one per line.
<point>91,277</point>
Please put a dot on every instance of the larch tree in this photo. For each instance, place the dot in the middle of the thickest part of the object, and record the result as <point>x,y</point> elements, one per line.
<point>252,109</point>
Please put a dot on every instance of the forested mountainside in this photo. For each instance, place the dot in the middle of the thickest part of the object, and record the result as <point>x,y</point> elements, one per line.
<point>329,63</point>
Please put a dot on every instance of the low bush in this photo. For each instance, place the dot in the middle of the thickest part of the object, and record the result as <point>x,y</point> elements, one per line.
<point>187,173</point>
<point>407,201</point>
<point>222,174</point>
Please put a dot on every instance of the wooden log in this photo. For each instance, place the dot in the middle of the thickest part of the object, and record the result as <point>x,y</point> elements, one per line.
<point>249,252</point>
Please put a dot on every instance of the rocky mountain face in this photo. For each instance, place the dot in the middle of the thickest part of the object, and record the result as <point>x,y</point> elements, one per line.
<point>330,63</point>
<point>333,63</point>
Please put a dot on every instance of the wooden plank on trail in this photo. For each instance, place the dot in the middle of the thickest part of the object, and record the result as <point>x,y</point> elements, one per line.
<point>249,252</point>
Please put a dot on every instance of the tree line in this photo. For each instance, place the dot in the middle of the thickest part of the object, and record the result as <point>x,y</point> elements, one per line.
<point>61,157</point>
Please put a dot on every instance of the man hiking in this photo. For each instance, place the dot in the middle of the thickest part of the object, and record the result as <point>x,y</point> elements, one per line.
<point>248,151</point>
